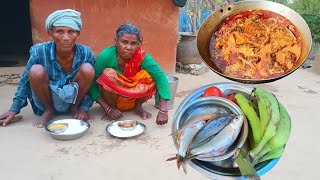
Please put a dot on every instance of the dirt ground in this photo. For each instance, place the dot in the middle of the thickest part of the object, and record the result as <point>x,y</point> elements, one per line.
<point>29,153</point>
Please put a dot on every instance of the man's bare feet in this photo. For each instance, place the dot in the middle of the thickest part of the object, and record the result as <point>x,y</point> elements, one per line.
<point>42,120</point>
<point>143,113</point>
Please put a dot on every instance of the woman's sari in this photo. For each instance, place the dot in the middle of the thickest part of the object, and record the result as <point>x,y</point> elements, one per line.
<point>134,83</point>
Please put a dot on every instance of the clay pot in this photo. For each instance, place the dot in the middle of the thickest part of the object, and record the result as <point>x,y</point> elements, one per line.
<point>187,52</point>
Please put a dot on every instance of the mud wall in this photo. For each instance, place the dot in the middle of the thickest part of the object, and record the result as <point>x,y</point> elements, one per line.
<point>157,20</point>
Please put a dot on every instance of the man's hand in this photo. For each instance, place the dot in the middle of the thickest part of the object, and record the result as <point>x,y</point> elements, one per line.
<point>6,118</point>
<point>162,118</point>
<point>81,114</point>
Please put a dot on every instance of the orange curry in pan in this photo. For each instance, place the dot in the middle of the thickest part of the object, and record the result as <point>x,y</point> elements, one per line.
<point>255,44</point>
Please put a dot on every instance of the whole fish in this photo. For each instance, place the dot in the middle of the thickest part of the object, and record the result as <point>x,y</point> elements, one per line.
<point>184,140</point>
<point>202,113</point>
<point>222,141</point>
<point>210,155</point>
<point>211,129</point>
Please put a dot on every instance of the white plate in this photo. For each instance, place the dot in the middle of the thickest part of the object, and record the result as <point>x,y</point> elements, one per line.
<point>76,128</point>
<point>114,130</point>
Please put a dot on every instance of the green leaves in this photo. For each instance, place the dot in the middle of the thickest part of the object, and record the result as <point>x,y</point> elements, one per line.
<point>313,21</point>
<point>305,6</point>
<point>309,10</point>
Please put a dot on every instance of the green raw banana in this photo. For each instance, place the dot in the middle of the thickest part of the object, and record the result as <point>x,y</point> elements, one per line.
<point>282,135</point>
<point>254,105</point>
<point>269,117</point>
<point>274,153</point>
<point>244,163</point>
<point>252,117</point>
<point>264,105</point>
<point>250,139</point>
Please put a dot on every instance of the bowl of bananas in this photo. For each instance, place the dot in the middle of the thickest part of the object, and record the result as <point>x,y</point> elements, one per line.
<point>269,127</point>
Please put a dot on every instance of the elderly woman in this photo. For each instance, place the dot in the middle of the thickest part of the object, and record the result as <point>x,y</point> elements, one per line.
<point>58,75</point>
<point>126,77</point>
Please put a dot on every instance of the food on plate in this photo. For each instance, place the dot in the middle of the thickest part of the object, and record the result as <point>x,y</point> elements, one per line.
<point>57,126</point>
<point>128,125</point>
<point>255,44</point>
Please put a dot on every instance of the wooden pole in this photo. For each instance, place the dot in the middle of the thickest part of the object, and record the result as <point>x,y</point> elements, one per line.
<point>195,13</point>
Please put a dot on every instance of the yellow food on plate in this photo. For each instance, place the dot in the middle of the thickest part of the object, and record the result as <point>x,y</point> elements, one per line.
<point>57,126</point>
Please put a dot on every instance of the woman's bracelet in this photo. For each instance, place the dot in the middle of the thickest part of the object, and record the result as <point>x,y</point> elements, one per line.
<point>163,110</point>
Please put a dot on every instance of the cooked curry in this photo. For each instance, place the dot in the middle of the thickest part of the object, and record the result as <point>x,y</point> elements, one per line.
<point>255,44</point>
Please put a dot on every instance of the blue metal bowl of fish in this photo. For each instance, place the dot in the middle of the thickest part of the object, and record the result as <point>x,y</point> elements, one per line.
<point>195,108</point>
<point>67,129</point>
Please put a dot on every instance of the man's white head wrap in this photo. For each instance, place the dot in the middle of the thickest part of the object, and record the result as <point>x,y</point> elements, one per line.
<point>65,17</point>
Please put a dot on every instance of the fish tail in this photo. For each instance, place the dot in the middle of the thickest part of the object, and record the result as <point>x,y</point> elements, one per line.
<point>184,166</point>
<point>172,158</point>
<point>191,157</point>
<point>180,160</point>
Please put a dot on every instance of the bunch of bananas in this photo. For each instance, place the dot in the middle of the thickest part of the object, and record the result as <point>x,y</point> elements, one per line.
<point>270,125</point>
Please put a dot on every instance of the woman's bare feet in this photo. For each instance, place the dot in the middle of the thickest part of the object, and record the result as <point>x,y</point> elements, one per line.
<point>106,117</point>
<point>42,120</point>
<point>143,113</point>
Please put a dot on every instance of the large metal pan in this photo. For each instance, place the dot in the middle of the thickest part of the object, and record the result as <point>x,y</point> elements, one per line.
<point>213,21</point>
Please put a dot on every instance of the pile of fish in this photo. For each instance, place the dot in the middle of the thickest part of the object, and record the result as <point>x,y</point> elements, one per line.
<point>207,138</point>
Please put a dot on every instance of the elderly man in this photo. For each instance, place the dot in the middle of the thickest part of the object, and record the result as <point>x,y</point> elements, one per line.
<point>58,74</point>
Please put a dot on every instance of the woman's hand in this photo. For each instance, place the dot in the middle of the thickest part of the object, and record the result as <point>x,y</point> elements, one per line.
<point>162,118</point>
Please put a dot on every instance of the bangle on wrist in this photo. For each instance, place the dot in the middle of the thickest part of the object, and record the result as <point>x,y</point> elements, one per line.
<point>163,110</point>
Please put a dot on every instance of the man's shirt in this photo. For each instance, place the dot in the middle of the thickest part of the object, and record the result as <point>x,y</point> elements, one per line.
<point>44,54</point>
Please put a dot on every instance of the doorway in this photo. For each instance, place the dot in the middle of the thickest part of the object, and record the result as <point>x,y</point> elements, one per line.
<point>15,33</point>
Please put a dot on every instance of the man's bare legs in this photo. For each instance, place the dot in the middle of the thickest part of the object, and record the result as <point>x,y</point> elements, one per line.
<point>84,78</point>
<point>108,102</point>
<point>39,82</point>
<point>139,110</point>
